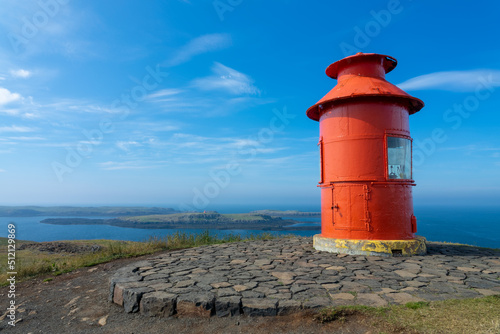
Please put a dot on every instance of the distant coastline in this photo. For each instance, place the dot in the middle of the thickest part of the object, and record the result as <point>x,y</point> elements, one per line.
<point>197,220</point>
<point>75,211</point>
<point>117,211</point>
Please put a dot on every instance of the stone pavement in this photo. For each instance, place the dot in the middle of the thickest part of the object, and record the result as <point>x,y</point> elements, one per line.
<point>275,277</point>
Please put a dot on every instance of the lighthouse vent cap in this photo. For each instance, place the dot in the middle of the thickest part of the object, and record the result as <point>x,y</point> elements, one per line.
<point>387,64</point>
<point>362,77</point>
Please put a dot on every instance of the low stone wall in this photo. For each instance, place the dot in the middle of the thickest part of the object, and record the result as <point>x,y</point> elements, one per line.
<point>275,277</point>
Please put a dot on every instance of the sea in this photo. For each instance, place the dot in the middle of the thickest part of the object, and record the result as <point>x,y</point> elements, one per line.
<point>477,226</point>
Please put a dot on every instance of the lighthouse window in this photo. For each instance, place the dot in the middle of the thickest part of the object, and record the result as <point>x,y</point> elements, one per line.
<point>399,158</point>
<point>320,146</point>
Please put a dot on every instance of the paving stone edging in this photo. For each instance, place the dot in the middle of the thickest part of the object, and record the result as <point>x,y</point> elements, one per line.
<point>280,276</point>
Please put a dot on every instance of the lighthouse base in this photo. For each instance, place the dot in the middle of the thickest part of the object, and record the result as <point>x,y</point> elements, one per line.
<point>385,248</point>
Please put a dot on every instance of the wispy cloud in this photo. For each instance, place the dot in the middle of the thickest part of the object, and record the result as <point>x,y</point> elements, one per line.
<point>471,147</point>
<point>24,138</point>
<point>217,148</point>
<point>200,45</point>
<point>164,93</point>
<point>59,29</point>
<point>120,165</point>
<point>227,79</point>
<point>474,150</point>
<point>81,106</point>
<point>2,170</point>
<point>20,73</point>
<point>127,145</point>
<point>10,111</point>
<point>209,98</point>
<point>15,128</point>
<point>455,81</point>
<point>6,96</point>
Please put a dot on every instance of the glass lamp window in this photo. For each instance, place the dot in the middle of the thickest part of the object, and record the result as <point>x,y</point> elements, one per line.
<point>399,158</point>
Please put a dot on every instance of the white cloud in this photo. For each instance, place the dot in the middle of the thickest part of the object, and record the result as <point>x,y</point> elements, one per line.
<point>30,115</point>
<point>455,81</point>
<point>11,112</point>
<point>15,128</point>
<point>164,93</point>
<point>81,106</point>
<point>200,45</point>
<point>114,165</point>
<point>227,79</point>
<point>190,146</point>
<point>7,96</point>
<point>470,147</point>
<point>126,145</point>
<point>24,138</point>
<point>165,128</point>
<point>2,170</point>
<point>20,73</point>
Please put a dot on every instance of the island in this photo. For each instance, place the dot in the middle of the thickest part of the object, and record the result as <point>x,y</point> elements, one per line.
<point>195,220</point>
<point>287,213</point>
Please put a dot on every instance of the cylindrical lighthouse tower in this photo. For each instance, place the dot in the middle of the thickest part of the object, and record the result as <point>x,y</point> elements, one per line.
<point>365,153</point>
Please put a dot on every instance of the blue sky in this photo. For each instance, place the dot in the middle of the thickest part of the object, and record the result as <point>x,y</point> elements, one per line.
<point>200,104</point>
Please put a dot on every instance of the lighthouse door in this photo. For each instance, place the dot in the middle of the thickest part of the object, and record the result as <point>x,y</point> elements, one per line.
<point>327,203</point>
<point>349,209</point>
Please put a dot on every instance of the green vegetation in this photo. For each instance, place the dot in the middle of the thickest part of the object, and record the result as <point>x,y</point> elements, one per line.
<point>31,262</point>
<point>287,213</point>
<point>417,305</point>
<point>199,217</point>
<point>5,242</point>
<point>185,240</point>
<point>479,315</point>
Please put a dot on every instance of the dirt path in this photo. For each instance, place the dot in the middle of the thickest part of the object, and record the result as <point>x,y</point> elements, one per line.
<point>77,303</point>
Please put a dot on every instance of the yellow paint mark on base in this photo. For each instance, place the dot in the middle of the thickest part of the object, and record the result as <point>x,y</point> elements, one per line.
<point>385,248</point>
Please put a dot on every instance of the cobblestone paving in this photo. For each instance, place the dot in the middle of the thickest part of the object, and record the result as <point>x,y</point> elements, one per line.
<point>265,278</point>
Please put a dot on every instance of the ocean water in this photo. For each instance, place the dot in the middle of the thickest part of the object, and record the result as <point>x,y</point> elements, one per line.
<point>479,226</point>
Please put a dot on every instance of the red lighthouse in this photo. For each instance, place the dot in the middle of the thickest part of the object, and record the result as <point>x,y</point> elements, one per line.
<point>366,161</point>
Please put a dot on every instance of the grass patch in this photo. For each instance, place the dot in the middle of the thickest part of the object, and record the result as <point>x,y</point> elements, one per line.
<point>31,262</point>
<point>479,315</point>
<point>457,316</point>
<point>417,305</point>
<point>342,313</point>
<point>181,240</point>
